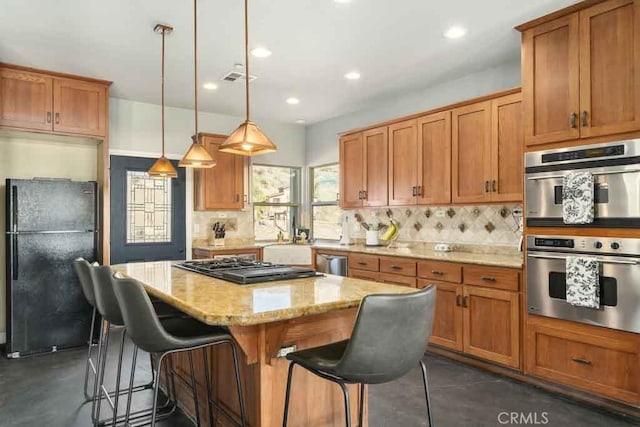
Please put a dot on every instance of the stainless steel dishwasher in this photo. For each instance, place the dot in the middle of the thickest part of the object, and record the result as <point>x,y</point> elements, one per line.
<point>331,264</point>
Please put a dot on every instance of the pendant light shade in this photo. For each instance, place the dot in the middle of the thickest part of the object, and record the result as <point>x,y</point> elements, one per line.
<point>197,156</point>
<point>162,168</point>
<point>247,139</point>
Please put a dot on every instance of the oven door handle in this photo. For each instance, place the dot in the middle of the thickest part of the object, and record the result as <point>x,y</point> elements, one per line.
<point>537,178</point>
<point>634,262</point>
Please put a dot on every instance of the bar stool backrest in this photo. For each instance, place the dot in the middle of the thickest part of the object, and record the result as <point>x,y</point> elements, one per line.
<point>83,270</point>
<point>389,338</point>
<point>140,318</point>
<point>106,301</point>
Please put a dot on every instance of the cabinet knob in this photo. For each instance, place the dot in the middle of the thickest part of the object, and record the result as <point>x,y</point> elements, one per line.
<point>458,300</point>
<point>572,120</point>
<point>57,118</point>
<point>581,361</point>
<point>486,186</point>
<point>583,118</point>
<point>437,273</point>
<point>465,301</point>
<point>494,186</point>
<point>48,116</point>
<point>419,191</point>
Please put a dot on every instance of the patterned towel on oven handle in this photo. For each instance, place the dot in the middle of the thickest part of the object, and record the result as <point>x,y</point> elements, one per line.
<point>578,198</point>
<point>583,282</point>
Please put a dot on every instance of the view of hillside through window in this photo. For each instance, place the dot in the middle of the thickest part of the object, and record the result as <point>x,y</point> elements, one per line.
<point>275,192</point>
<point>326,214</point>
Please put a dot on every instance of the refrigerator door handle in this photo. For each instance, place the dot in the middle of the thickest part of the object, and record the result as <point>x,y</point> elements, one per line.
<point>14,202</point>
<point>14,256</point>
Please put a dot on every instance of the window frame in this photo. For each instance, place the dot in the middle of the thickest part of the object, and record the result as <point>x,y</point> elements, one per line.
<point>313,204</point>
<point>295,190</point>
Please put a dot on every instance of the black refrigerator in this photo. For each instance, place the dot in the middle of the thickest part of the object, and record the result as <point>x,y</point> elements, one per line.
<point>49,224</point>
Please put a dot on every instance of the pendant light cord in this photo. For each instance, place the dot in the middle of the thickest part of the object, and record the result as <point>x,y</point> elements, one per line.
<point>163,31</point>
<point>246,55</point>
<point>195,63</point>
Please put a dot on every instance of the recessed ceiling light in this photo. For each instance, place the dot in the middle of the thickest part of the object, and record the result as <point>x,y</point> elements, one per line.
<point>261,52</point>
<point>455,32</point>
<point>293,101</point>
<point>210,86</point>
<point>352,75</point>
<point>301,121</point>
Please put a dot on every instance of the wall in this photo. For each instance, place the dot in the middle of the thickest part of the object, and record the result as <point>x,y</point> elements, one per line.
<point>322,139</point>
<point>29,156</point>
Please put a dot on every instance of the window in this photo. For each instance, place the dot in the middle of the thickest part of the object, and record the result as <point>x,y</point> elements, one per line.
<point>326,214</point>
<point>148,208</point>
<point>275,192</point>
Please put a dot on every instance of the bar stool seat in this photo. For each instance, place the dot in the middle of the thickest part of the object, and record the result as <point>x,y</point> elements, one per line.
<point>325,358</point>
<point>187,333</point>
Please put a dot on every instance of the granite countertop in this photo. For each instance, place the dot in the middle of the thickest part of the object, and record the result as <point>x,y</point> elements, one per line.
<point>218,302</point>
<point>511,259</point>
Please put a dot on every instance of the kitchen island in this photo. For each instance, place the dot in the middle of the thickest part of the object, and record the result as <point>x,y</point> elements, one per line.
<point>263,319</point>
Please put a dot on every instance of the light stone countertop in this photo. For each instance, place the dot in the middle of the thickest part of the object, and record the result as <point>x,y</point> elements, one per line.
<point>511,259</point>
<point>218,302</point>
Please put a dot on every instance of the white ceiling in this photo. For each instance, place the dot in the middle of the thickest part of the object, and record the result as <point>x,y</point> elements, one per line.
<point>396,45</point>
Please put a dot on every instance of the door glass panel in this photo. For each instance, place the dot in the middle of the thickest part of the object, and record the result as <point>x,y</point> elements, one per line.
<point>148,208</point>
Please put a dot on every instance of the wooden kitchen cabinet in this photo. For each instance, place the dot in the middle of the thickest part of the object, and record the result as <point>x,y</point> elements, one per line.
<point>52,103</point>
<point>222,186</point>
<point>403,163</point>
<point>600,360</point>
<point>580,73</point>
<point>26,100</point>
<point>491,325</point>
<point>447,319</point>
<point>507,149</point>
<point>79,107</point>
<point>351,167</point>
<point>364,163</point>
<point>471,141</point>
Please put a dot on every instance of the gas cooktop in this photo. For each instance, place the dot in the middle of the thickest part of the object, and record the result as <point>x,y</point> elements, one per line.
<point>245,271</point>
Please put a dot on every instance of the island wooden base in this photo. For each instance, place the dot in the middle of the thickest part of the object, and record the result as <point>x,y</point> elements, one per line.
<point>314,401</point>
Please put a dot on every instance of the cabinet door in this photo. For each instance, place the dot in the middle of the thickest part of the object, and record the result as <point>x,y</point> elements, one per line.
<point>363,274</point>
<point>351,171</point>
<point>471,153</point>
<point>403,172</point>
<point>550,82</point>
<point>492,325</point>
<point>79,107</point>
<point>26,100</point>
<point>376,167</point>
<point>434,159</point>
<point>507,149</point>
<point>447,319</point>
<point>222,186</point>
<point>610,68</point>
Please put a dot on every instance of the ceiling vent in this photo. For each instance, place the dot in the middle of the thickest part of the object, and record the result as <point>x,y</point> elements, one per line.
<point>237,74</point>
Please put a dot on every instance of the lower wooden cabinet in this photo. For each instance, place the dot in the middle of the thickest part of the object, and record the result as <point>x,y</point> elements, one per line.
<point>364,274</point>
<point>396,279</point>
<point>592,358</point>
<point>491,325</point>
<point>447,319</point>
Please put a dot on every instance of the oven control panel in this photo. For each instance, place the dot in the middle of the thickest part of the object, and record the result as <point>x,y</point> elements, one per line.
<point>598,245</point>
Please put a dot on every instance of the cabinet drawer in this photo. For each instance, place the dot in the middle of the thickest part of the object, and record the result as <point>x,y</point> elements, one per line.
<point>492,277</point>
<point>364,274</point>
<point>201,254</point>
<point>606,362</point>
<point>363,262</point>
<point>396,279</point>
<point>442,271</point>
<point>401,266</point>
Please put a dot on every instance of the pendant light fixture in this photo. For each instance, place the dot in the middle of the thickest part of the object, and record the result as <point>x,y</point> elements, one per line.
<point>162,168</point>
<point>197,156</point>
<point>247,139</point>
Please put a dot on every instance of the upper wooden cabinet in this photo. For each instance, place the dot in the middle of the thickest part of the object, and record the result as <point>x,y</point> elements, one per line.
<point>26,100</point>
<point>222,186</point>
<point>364,163</point>
<point>581,74</point>
<point>420,160</point>
<point>488,151</point>
<point>52,103</point>
<point>471,137</point>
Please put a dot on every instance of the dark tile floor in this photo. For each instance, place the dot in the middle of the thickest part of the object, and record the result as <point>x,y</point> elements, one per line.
<point>46,391</point>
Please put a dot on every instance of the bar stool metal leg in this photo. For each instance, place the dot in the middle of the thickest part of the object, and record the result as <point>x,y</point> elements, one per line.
<point>361,408</point>
<point>90,365</point>
<point>118,374</point>
<point>205,359</point>
<point>238,383</point>
<point>287,395</point>
<point>194,388</point>
<point>101,368</point>
<point>347,410</point>
<point>156,387</point>
<point>134,358</point>
<point>426,392</point>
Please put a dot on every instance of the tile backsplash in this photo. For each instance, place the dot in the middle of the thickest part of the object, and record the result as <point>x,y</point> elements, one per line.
<point>239,223</point>
<point>489,224</point>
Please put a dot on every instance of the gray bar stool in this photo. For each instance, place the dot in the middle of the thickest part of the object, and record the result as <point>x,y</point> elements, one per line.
<point>163,339</point>
<point>389,338</point>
